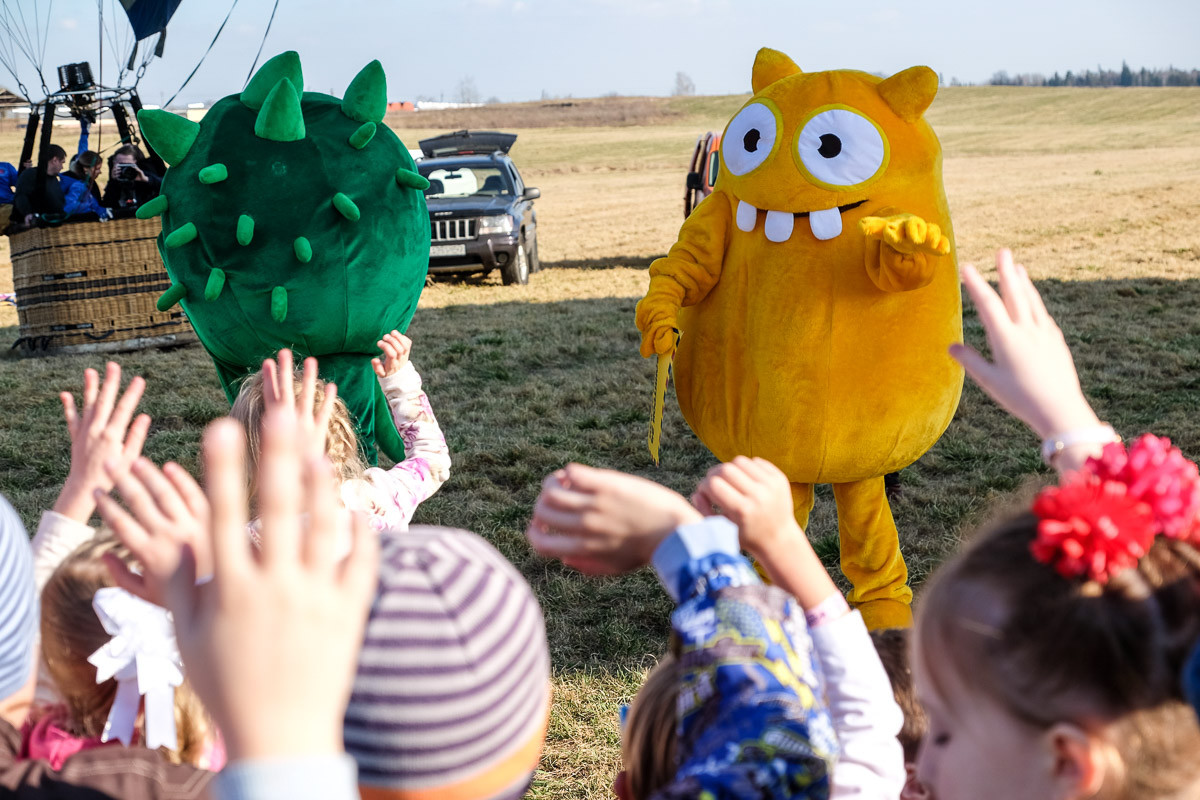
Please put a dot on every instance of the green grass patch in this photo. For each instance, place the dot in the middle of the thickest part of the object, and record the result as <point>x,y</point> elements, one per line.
<point>521,388</point>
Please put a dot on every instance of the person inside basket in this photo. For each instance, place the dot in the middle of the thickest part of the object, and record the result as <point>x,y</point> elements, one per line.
<point>26,204</point>
<point>131,182</point>
<point>81,201</point>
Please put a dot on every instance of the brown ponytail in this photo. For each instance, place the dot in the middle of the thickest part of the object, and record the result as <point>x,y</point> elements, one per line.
<point>1050,649</point>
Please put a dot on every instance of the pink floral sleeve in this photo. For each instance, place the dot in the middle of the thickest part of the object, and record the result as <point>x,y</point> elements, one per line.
<point>392,496</point>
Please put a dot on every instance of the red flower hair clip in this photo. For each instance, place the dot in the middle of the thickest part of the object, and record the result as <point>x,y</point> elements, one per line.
<point>1104,519</point>
<point>1091,528</point>
<point>1157,474</point>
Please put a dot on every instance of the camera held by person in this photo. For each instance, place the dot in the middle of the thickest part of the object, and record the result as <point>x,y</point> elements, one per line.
<point>131,181</point>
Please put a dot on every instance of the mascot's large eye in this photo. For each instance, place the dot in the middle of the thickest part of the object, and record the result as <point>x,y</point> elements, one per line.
<point>841,147</point>
<point>749,139</point>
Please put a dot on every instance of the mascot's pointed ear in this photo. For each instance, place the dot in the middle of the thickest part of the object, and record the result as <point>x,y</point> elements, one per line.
<point>910,92</point>
<point>769,66</point>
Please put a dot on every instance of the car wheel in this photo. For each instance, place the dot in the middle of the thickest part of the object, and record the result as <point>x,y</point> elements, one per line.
<point>535,264</point>
<point>517,270</point>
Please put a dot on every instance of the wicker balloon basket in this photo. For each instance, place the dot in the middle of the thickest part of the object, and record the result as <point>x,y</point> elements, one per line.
<point>90,287</point>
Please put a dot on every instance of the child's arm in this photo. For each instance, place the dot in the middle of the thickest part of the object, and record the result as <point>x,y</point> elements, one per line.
<point>101,433</point>
<point>1031,374</point>
<point>427,463</point>
<point>752,718</point>
<point>756,495</point>
<point>685,275</point>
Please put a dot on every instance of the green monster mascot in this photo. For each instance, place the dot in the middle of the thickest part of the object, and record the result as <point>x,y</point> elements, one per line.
<point>294,219</point>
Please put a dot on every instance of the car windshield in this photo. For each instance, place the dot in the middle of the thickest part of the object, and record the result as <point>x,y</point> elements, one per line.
<point>464,181</point>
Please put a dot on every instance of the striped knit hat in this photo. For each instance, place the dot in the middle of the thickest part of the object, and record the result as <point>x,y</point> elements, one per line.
<point>18,603</point>
<point>452,694</point>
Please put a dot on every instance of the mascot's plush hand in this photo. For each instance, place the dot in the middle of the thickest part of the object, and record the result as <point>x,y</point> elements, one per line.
<point>907,233</point>
<point>908,251</point>
<point>656,319</point>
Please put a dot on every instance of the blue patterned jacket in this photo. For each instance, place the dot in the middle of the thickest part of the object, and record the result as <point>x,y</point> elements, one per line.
<point>752,721</point>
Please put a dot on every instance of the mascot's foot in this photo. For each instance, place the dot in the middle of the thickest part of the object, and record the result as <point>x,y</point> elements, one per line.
<point>884,613</point>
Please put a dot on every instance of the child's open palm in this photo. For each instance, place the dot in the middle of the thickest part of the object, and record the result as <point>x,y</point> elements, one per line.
<point>279,398</point>
<point>102,432</point>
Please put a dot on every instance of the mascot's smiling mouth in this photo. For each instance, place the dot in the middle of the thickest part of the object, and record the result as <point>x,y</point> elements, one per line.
<point>825,224</point>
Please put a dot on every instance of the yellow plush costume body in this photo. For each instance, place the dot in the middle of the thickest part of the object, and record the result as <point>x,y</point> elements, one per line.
<point>816,295</point>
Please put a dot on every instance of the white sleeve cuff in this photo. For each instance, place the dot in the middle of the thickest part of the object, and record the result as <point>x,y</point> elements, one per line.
<point>328,777</point>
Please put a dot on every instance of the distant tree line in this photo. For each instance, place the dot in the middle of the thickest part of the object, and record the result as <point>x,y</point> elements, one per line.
<point>1103,77</point>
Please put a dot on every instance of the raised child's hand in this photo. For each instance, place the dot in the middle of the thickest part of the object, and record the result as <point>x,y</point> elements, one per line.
<point>604,522</point>
<point>167,512</point>
<point>396,348</point>
<point>1031,374</point>
<point>279,398</point>
<point>755,495</point>
<point>271,642</point>
<point>101,433</point>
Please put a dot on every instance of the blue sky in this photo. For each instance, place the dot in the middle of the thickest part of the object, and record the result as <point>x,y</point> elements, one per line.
<point>518,49</point>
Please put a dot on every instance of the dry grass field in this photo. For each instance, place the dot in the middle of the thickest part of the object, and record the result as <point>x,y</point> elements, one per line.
<point>1098,191</point>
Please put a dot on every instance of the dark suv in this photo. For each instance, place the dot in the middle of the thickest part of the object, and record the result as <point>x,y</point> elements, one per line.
<point>480,211</point>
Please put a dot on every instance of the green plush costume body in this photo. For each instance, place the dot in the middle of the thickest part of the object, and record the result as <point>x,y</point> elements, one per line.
<point>294,220</point>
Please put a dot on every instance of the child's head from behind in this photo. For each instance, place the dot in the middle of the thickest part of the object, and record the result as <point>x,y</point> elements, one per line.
<point>341,444</point>
<point>1040,686</point>
<point>648,739</point>
<point>892,645</point>
<point>71,632</point>
<point>452,694</point>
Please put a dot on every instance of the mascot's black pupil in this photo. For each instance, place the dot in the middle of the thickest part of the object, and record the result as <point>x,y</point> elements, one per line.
<point>831,145</point>
<point>750,140</point>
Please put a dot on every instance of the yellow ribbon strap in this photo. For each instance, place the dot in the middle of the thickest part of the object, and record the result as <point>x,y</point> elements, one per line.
<point>661,376</point>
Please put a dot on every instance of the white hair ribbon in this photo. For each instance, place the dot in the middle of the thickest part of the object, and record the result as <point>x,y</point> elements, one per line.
<point>143,657</point>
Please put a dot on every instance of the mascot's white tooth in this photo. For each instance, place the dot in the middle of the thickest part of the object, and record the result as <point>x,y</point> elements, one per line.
<point>778,226</point>
<point>825,224</point>
<point>747,215</point>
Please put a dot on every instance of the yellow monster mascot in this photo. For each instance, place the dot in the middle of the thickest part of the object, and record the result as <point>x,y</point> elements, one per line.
<point>815,293</point>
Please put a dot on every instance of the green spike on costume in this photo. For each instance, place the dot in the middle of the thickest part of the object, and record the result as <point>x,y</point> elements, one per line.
<point>284,65</point>
<point>152,208</point>
<point>303,250</point>
<point>171,296</point>
<point>407,179</point>
<point>169,134</point>
<point>281,119</point>
<point>245,230</point>
<point>216,282</point>
<point>279,304</point>
<point>214,173</point>
<point>346,207</point>
<point>244,290</point>
<point>363,136</point>
<point>181,235</point>
<point>366,96</point>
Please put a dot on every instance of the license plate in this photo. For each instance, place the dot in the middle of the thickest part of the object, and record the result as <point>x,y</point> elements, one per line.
<point>447,250</point>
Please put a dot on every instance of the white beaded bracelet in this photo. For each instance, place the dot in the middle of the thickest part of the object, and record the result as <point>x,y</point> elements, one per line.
<point>1094,434</point>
